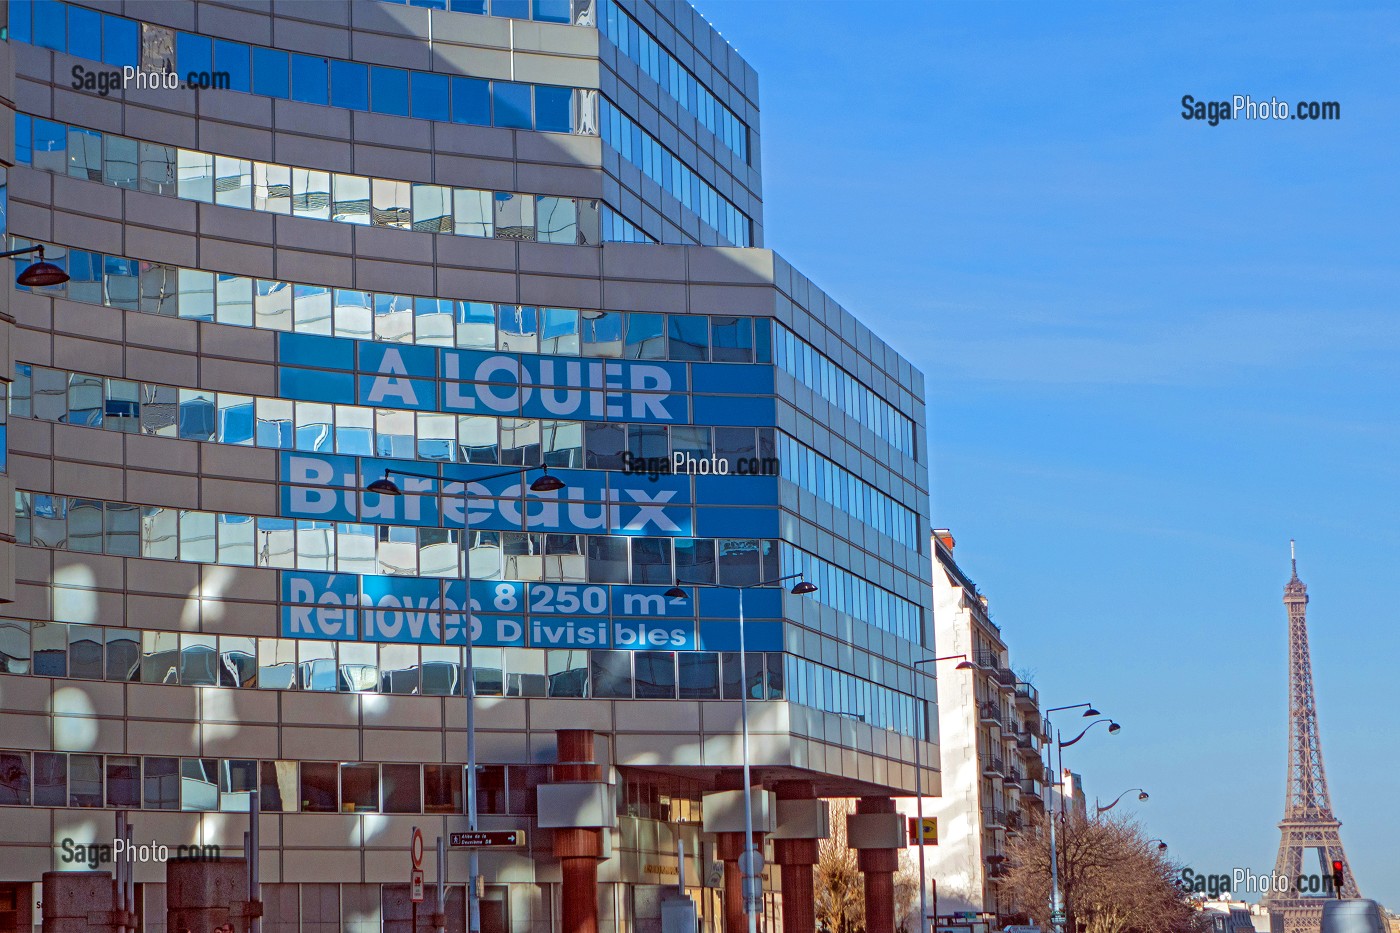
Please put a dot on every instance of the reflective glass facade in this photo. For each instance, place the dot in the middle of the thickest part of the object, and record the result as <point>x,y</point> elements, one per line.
<point>192,422</point>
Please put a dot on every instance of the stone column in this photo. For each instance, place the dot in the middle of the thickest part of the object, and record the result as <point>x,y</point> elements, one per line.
<point>77,901</point>
<point>578,848</point>
<point>876,831</point>
<point>201,894</point>
<point>802,823</point>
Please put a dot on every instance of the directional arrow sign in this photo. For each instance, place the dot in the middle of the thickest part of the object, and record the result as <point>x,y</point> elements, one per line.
<point>495,839</point>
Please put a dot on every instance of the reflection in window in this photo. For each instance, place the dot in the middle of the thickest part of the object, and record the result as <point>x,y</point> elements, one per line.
<point>50,779</point>
<point>646,337</point>
<point>699,675</point>
<point>277,664</point>
<point>612,674</point>
<point>123,781</point>
<point>359,667</point>
<point>50,649</point>
<point>391,204</point>
<point>85,651</point>
<point>161,780</point>
<point>15,657</point>
<point>656,675</point>
<point>237,779</point>
<point>514,216</point>
<point>403,792</point>
<point>351,199</point>
<point>85,780</point>
<point>568,672</point>
<point>14,779</point>
<point>602,334</point>
<point>556,220</point>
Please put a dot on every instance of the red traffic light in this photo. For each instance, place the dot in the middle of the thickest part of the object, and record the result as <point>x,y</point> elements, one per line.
<point>1336,865</point>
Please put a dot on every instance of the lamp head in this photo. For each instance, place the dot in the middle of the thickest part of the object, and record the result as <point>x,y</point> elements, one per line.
<point>1142,796</point>
<point>676,592</point>
<point>1113,728</point>
<point>41,273</point>
<point>964,666</point>
<point>802,588</point>
<point>385,487</point>
<point>547,483</point>
<point>1161,847</point>
<point>1091,712</point>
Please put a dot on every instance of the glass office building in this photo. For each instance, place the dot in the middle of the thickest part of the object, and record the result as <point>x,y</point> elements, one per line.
<point>463,245</point>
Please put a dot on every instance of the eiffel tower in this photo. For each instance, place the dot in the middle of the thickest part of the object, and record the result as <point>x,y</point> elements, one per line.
<point>1308,823</point>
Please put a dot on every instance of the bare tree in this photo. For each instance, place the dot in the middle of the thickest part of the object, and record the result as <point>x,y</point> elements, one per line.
<point>840,886</point>
<point>906,895</point>
<point>1112,879</point>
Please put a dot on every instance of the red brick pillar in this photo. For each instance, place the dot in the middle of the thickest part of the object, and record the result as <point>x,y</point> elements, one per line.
<point>578,849</point>
<point>795,858</point>
<point>879,866</point>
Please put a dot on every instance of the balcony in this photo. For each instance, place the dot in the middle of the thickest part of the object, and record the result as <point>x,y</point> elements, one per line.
<point>1027,697</point>
<point>1013,775</point>
<point>1033,788</point>
<point>1028,743</point>
<point>989,660</point>
<point>1009,725</point>
<point>992,767</point>
<point>990,713</point>
<point>1014,822</point>
<point>992,818</point>
<point>1005,678</point>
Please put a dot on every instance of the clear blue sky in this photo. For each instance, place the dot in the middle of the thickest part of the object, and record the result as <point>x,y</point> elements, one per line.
<point>1155,350</point>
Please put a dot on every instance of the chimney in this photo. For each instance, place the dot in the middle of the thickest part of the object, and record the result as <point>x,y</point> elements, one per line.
<point>945,536</point>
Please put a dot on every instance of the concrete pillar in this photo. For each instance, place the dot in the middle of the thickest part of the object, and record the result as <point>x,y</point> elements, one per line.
<point>728,847</point>
<point>795,859</point>
<point>578,848</point>
<point>878,865</point>
<point>77,901</point>
<point>202,894</point>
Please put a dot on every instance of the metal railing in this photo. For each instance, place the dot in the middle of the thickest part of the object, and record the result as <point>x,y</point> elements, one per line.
<point>993,817</point>
<point>1025,691</point>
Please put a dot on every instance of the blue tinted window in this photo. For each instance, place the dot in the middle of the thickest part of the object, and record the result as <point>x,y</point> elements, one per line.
<point>515,9</point>
<point>24,138</point>
<point>269,72</point>
<point>193,53</point>
<point>554,109</point>
<point>21,21</point>
<point>388,90</point>
<point>309,77</point>
<point>552,11</point>
<point>50,25</point>
<point>349,85</point>
<point>429,96</point>
<point>233,58</point>
<point>690,336</point>
<point>471,101</point>
<point>512,104</point>
<point>467,6</point>
<point>84,32</point>
<point>120,41</point>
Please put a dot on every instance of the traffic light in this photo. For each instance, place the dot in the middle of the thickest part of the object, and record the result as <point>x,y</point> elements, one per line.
<point>1338,876</point>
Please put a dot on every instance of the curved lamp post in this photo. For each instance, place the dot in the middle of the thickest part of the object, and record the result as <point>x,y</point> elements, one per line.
<point>1057,923</point>
<point>751,862</point>
<point>1161,846</point>
<point>963,665</point>
<point>37,274</point>
<point>387,487</point>
<point>1099,811</point>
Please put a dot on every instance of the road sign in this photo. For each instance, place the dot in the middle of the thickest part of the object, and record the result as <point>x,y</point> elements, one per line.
<point>415,849</point>
<point>751,862</point>
<point>715,876</point>
<point>494,839</point>
<point>415,883</point>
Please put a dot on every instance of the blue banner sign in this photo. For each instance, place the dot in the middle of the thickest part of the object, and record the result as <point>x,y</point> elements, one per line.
<point>426,611</point>
<point>505,384</point>
<point>325,487</point>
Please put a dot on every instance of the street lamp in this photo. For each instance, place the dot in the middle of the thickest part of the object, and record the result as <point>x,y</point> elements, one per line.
<point>1099,811</point>
<point>387,487</point>
<point>751,862</point>
<point>37,274</point>
<point>1161,846</point>
<point>1057,916</point>
<point>963,665</point>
